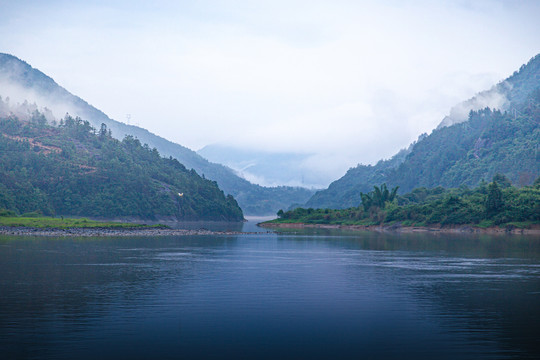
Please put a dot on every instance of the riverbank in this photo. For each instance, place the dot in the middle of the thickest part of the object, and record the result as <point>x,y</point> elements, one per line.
<point>458,229</point>
<point>110,232</point>
<point>130,232</point>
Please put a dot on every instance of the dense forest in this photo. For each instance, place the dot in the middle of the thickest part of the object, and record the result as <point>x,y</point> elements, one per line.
<point>495,204</point>
<point>491,141</point>
<point>74,169</point>
<point>254,199</point>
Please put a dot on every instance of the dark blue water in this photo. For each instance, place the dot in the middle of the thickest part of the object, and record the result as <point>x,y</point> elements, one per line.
<point>324,296</point>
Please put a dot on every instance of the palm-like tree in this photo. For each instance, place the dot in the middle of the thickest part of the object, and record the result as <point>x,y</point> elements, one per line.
<point>378,197</point>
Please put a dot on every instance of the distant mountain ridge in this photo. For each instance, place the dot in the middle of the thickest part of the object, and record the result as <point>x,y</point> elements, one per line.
<point>16,76</point>
<point>460,151</point>
<point>268,168</point>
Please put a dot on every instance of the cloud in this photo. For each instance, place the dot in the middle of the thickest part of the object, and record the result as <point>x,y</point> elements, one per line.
<point>494,98</point>
<point>353,81</point>
<point>22,102</point>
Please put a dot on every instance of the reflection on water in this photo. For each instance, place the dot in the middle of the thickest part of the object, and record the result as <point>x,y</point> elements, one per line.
<point>331,295</point>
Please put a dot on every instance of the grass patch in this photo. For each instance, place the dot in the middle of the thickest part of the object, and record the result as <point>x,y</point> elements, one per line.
<point>520,224</point>
<point>67,223</point>
<point>485,224</point>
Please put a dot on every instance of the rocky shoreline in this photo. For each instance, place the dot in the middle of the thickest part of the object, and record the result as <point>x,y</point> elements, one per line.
<point>107,232</point>
<point>460,229</point>
<point>103,232</point>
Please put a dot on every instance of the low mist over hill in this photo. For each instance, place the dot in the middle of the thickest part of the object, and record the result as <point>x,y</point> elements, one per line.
<point>497,131</point>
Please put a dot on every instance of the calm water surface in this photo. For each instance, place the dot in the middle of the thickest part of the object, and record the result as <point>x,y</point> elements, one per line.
<point>319,295</point>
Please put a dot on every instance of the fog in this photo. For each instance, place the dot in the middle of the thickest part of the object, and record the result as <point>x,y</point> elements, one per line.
<point>22,99</point>
<point>493,99</point>
<point>341,82</point>
<point>22,102</point>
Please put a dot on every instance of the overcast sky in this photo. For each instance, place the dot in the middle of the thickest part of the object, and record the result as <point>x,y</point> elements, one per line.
<point>351,81</point>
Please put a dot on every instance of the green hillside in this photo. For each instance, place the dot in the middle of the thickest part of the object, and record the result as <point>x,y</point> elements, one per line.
<point>254,199</point>
<point>489,142</point>
<point>74,169</point>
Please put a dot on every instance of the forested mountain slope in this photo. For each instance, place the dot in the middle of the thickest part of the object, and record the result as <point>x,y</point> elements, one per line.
<point>18,77</point>
<point>73,169</point>
<point>488,142</point>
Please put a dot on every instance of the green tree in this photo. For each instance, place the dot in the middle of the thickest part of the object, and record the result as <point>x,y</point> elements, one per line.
<point>378,197</point>
<point>494,200</point>
<point>367,201</point>
<point>103,130</point>
<point>38,119</point>
<point>502,180</point>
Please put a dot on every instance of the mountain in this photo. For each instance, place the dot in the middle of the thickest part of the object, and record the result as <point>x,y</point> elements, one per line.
<point>72,170</point>
<point>20,82</point>
<point>460,152</point>
<point>267,168</point>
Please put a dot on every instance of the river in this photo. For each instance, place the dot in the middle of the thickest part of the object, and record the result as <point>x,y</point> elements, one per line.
<point>305,295</point>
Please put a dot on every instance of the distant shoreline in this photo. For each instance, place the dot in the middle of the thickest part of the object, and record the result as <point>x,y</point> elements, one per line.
<point>103,232</point>
<point>459,229</point>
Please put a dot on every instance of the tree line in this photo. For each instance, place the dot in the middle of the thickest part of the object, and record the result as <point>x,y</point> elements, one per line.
<point>497,203</point>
